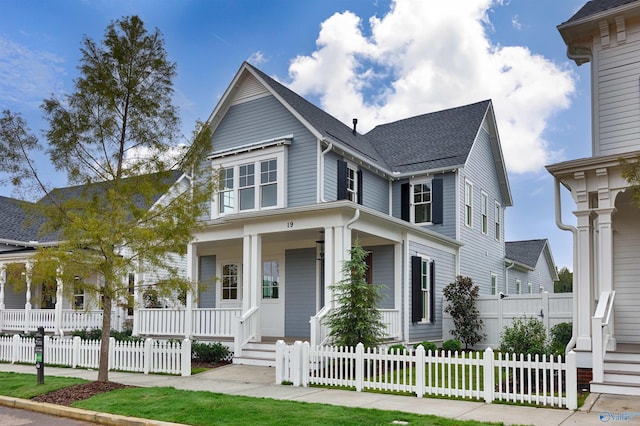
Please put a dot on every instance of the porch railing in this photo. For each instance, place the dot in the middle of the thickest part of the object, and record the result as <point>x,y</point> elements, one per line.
<point>391,320</point>
<point>215,322</point>
<point>160,322</point>
<point>601,333</point>
<point>247,329</point>
<point>26,320</point>
<point>320,332</point>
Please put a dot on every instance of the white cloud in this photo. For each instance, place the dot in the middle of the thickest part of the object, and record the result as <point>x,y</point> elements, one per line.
<point>257,58</point>
<point>26,74</point>
<point>422,57</point>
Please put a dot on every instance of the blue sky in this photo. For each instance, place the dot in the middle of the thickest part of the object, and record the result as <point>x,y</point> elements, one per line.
<point>378,60</point>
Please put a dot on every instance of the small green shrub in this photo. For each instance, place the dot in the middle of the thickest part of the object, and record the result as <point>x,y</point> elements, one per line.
<point>88,334</point>
<point>210,352</point>
<point>452,345</point>
<point>525,336</point>
<point>428,346</point>
<point>560,336</point>
<point>398,348</point>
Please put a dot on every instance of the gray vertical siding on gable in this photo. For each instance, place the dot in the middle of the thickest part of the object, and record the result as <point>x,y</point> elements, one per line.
<point>375,192</point>
<point>481,255</point>
<point>383,273</point>
<point>266,118</point>
<point>445,274</point>
<point>206,278</point>
<point>300,297</point>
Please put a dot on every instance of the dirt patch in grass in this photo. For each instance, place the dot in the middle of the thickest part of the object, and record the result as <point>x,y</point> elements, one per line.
<point>67,396</point>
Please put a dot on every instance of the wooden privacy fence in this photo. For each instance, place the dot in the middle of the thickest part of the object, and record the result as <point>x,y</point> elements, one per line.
<point>148,356</point>
<point>488,376</point>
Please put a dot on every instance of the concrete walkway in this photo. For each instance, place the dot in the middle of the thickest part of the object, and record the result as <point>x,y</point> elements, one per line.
<point>259,382</point>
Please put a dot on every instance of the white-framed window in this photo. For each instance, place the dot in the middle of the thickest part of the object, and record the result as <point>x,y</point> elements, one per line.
<point>230,282</point>
<point>518,287</point>
<point>530,288</point>
<point>78,297</point>
<point>424,285</point>
<point>250,181</point>
<point>494,284</point>
<point>352,183</point>
<point>468,203</point>
<point>498,221</point>
<point>270,280</point>
<point>485,213</point>
<point>421,202</point>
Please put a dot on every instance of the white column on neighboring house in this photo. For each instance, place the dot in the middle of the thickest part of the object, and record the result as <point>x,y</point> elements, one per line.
<point>59,295</point>
<point>138,301</point>
<point>192,269</point>
<point>27,303</point>
<point>584,279</point>
<point>3,281</point>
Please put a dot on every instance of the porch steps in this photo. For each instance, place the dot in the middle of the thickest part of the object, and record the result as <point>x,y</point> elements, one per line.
<point>621,372</point>
<point>258,353</point>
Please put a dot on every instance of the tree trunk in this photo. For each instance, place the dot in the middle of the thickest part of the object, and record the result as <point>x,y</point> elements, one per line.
<point>103,369</point>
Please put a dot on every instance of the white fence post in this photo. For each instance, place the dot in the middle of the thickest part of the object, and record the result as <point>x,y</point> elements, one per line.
<point>305,365</point>
<point>420,371</point>
<point>488,367</point>
<point>280,362</point>
<point>296,361</point>
<point>148,345</point>
<point>572,381</point>
<point>186,357</point>
<point>112,352</point>
<point>75,352</point>
<point>359,367</point>
<point>544,311</point>
<point>16,349</point>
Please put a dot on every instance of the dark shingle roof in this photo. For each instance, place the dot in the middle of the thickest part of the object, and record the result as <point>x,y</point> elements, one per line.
<point>524,252</point>
<point>15,222</point>
<point>596,6</point>
<point>329,126</point>
<point>430,141</point>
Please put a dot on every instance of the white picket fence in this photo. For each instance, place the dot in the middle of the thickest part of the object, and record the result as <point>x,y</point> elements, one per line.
<point>548,381</point>
<point>148,356</point>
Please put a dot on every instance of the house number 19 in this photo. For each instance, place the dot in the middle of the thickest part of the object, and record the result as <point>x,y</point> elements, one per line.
<point>290,224</point>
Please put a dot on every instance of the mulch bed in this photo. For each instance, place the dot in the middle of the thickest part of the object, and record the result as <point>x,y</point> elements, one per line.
<point>67,396</point>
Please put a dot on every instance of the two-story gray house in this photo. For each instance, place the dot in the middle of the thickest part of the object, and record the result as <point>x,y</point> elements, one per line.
<point>425,196</point>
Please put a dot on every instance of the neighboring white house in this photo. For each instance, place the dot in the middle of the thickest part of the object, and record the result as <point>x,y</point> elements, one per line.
<point>607,235</point>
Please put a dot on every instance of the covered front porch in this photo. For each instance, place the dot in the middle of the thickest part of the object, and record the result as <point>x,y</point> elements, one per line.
<point>269,276</point>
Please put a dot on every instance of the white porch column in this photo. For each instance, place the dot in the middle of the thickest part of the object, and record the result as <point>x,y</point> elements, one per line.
<point>329,266</point>
<point>583,279</point>
<point>27,303</point>
<point>59,295</point>
<point>251,271</point>
<point>3,281</point>
<point>138,301</point>
<point>605,261</point>
<point>192,276</point>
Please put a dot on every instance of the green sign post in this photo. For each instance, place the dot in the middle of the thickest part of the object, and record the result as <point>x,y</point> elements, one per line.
<point>40,355</point>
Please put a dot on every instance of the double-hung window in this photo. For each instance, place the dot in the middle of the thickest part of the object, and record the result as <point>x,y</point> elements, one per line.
<point>230,282</point>
<point>422,289</point>
<point>518,287</point>
<point>352,184</point>
<point>468,203</point>
<point>485,213</point>
<point>422,203</point>
<point>498,222</point>
<point>494,284</point>
<point>250,181</point>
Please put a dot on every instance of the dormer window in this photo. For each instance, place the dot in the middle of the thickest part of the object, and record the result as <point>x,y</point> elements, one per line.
<point>250,181</point>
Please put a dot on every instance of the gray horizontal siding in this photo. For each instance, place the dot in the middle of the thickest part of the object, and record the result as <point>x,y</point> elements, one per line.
<point>445,274</point>
<point>207,282</point>
<point>481,255</point>
<point>300,300</point>
<point>383,273</point>
<point>375,192</point>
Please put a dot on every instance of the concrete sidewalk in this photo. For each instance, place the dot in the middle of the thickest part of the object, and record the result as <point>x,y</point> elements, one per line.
<point>259,382</point>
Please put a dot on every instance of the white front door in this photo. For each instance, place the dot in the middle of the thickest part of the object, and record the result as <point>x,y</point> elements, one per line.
<point>272,298</point>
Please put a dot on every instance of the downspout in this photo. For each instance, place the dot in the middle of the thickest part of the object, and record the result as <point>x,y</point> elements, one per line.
<point>506,277</point>
<point>353,220</point>
<point>322,154</point>
<point>574,231</point>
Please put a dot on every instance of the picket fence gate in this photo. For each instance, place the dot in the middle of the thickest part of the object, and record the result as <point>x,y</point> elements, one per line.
<point>147,356</point>
<point>488,376</point>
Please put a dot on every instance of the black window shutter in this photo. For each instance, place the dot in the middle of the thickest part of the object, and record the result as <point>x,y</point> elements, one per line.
<point>436,201</point>
<point>416,289</point>
<point>360,185</point>
<point>342,180</point>
<point>432,292</point>
<point>405,193</point>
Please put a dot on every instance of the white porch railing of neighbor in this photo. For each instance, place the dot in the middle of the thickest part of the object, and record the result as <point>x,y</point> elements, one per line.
<point>215,322</point>
<point>546,381</point>
<point>172,322</point>
<point>497,313</point>
<point>160,322</point>
<point>601,333</point>
<point>26,320</point>
<point>247,329</point>
<point>391,320</point>
<point>148,356</point>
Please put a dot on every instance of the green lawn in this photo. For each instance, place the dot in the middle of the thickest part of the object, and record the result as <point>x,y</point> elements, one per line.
<point>206,408</point>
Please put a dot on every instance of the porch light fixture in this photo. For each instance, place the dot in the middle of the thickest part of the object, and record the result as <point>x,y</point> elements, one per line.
<point>320,249</point>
